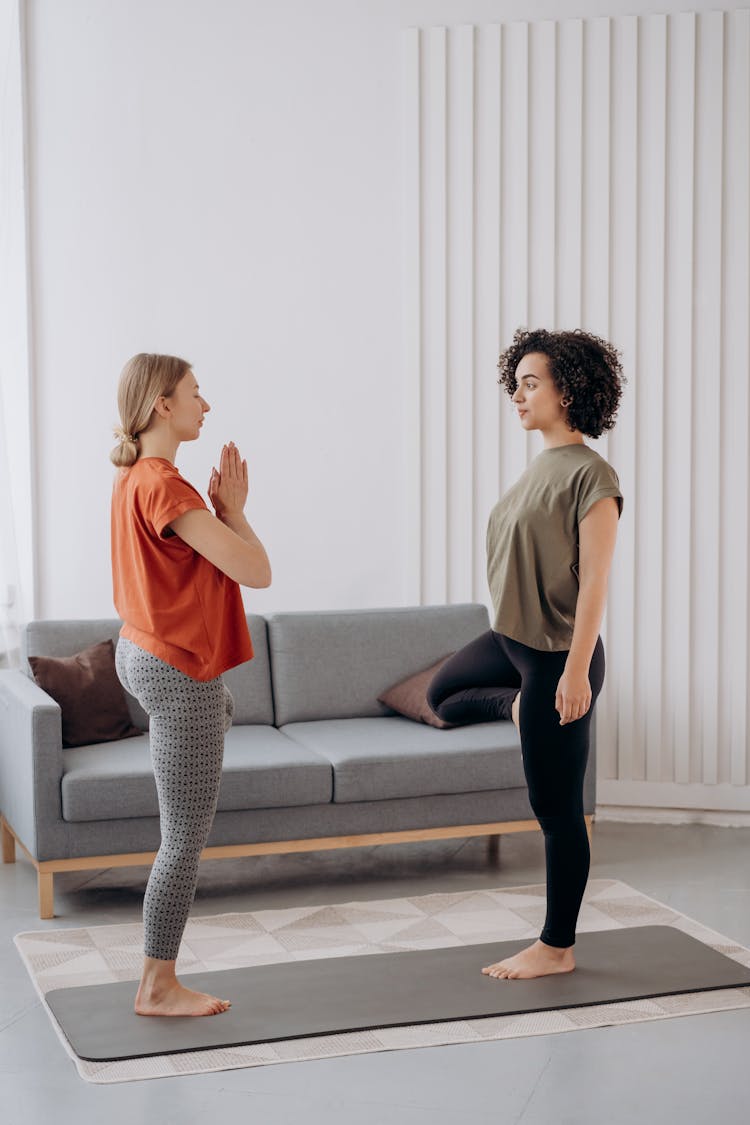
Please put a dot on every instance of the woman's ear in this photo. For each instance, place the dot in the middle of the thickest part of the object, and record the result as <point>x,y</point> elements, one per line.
<point>162,407</point>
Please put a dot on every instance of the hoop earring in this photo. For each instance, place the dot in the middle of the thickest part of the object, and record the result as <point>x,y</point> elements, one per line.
<point>566,402</point>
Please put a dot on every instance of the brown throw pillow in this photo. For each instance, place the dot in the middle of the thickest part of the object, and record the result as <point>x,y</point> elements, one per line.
<point>92,699</point>
<point>409,696</point>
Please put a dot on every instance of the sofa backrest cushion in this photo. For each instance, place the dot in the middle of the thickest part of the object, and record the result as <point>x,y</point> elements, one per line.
<point>334,664</point>
<point>250,683</point>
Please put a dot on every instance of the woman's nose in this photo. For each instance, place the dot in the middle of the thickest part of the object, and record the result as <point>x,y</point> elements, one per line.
<point>206,407</point>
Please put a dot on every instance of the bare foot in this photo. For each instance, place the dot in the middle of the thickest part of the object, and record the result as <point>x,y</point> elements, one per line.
<point>176,1000</point>
<point>515,709</point>
<point>538,960</point>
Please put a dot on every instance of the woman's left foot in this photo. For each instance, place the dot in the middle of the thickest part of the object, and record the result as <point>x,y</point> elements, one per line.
<point>539,960</point>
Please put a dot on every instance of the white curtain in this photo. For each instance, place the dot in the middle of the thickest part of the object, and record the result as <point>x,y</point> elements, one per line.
<point>9,584</point>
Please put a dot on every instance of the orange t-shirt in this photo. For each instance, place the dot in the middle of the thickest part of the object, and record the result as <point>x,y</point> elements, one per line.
<point>173,601</point>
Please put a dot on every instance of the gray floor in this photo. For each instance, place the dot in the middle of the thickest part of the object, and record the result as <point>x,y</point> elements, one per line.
<point>691,1069</point>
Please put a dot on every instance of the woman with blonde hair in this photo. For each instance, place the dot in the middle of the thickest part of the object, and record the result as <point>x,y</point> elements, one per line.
<point>177,568</point>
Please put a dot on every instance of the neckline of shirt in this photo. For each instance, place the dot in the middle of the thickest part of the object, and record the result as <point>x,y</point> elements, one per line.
<point>566,445</point>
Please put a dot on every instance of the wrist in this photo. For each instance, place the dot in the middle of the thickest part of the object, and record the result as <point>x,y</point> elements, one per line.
<point>577,664</point>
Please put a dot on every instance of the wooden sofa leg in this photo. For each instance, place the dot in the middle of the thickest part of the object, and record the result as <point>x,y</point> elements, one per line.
<point>9,843</point>
<point>493,849</point>
<point>46,887</point>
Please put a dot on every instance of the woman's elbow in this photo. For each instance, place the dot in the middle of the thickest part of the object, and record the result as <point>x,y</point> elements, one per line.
<point>258,578</point>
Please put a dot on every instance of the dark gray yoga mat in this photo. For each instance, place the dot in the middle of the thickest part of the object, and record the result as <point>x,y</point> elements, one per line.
<point>335,994</point>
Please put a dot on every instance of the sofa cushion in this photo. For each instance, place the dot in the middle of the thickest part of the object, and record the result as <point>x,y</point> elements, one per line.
<point>262,769</point>
<point>390,757</point>
<point>335,664</point>
<point>92,700</point>
<point>249,683</point>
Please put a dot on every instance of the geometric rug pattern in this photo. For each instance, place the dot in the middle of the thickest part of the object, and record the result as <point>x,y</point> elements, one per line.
<point>105,954</point>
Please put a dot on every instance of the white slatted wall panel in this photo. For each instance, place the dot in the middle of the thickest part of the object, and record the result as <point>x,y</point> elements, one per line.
<point>596,173</point>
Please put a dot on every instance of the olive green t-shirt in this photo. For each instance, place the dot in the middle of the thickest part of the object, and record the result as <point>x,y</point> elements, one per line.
<point>532,544</point>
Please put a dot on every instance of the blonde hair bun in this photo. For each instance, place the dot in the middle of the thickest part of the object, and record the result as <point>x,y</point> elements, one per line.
<point>125,452</point>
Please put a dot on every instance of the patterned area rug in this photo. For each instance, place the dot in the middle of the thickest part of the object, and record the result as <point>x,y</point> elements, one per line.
<point>103,954</point>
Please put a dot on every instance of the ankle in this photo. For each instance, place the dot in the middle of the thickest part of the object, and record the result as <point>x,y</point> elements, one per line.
<point>158,976</point>
<point>559,951</point>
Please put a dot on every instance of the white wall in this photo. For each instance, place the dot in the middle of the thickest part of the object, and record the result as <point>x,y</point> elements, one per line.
<point>222,180</point>
<point>225,180</point>
<point>209,179</point>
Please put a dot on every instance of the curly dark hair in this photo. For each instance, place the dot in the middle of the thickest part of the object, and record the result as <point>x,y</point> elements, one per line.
<point>585,369</point>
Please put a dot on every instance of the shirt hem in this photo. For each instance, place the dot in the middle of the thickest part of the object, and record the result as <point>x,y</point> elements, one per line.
<point>183,661</point>
<point>522,641</point>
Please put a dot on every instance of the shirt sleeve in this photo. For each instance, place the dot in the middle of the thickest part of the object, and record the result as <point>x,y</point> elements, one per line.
<point>599,480</point>
<point>169,496</point>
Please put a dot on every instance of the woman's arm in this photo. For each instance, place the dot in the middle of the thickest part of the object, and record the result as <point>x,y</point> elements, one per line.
<point>597,533</point>
<point>227,539</point>
<point>238,553</point>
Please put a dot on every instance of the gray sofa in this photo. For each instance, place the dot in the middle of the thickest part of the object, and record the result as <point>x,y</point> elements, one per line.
<point>312,760</point>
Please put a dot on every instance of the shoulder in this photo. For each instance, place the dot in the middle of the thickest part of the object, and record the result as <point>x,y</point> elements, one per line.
<point>589,464</point>
<point>156,488</point>
<point>155,472</point>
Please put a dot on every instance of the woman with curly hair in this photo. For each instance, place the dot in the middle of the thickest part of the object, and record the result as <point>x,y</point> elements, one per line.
<point>550,543</point>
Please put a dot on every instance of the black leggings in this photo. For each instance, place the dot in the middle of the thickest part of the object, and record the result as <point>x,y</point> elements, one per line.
<point>478,685</point>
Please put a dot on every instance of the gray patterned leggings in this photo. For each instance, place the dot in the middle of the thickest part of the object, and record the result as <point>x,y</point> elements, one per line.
<point>188,719</point>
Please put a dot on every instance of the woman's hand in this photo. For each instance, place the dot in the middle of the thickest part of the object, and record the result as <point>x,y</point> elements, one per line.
<point>573,696</point>
<point>227,488</point>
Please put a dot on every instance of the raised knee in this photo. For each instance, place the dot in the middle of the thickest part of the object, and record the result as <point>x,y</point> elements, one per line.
<point>434,699</point>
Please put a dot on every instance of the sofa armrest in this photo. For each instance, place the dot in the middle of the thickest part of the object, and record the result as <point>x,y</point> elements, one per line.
<point>31,762</point>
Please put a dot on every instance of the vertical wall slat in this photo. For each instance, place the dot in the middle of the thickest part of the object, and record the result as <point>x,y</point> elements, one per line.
<point>677,563</point>
<point>735,426</point>
<point>489,252</point>
<point>569,175</point>
<point>461,303</point>
<point>595,272</point>
<point>650,401</point>
<point>706,437</point>
<point>514,212</point>
<point>623,329</point>
<point>412,306</point>
<point>542,162</point>
<point>434,339</point>
<point>542,240</point>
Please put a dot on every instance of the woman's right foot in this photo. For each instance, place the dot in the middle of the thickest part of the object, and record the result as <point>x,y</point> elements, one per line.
<point>176,1000</point>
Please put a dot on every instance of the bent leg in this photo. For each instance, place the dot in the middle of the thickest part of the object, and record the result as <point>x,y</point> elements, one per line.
<point>476,685</point>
